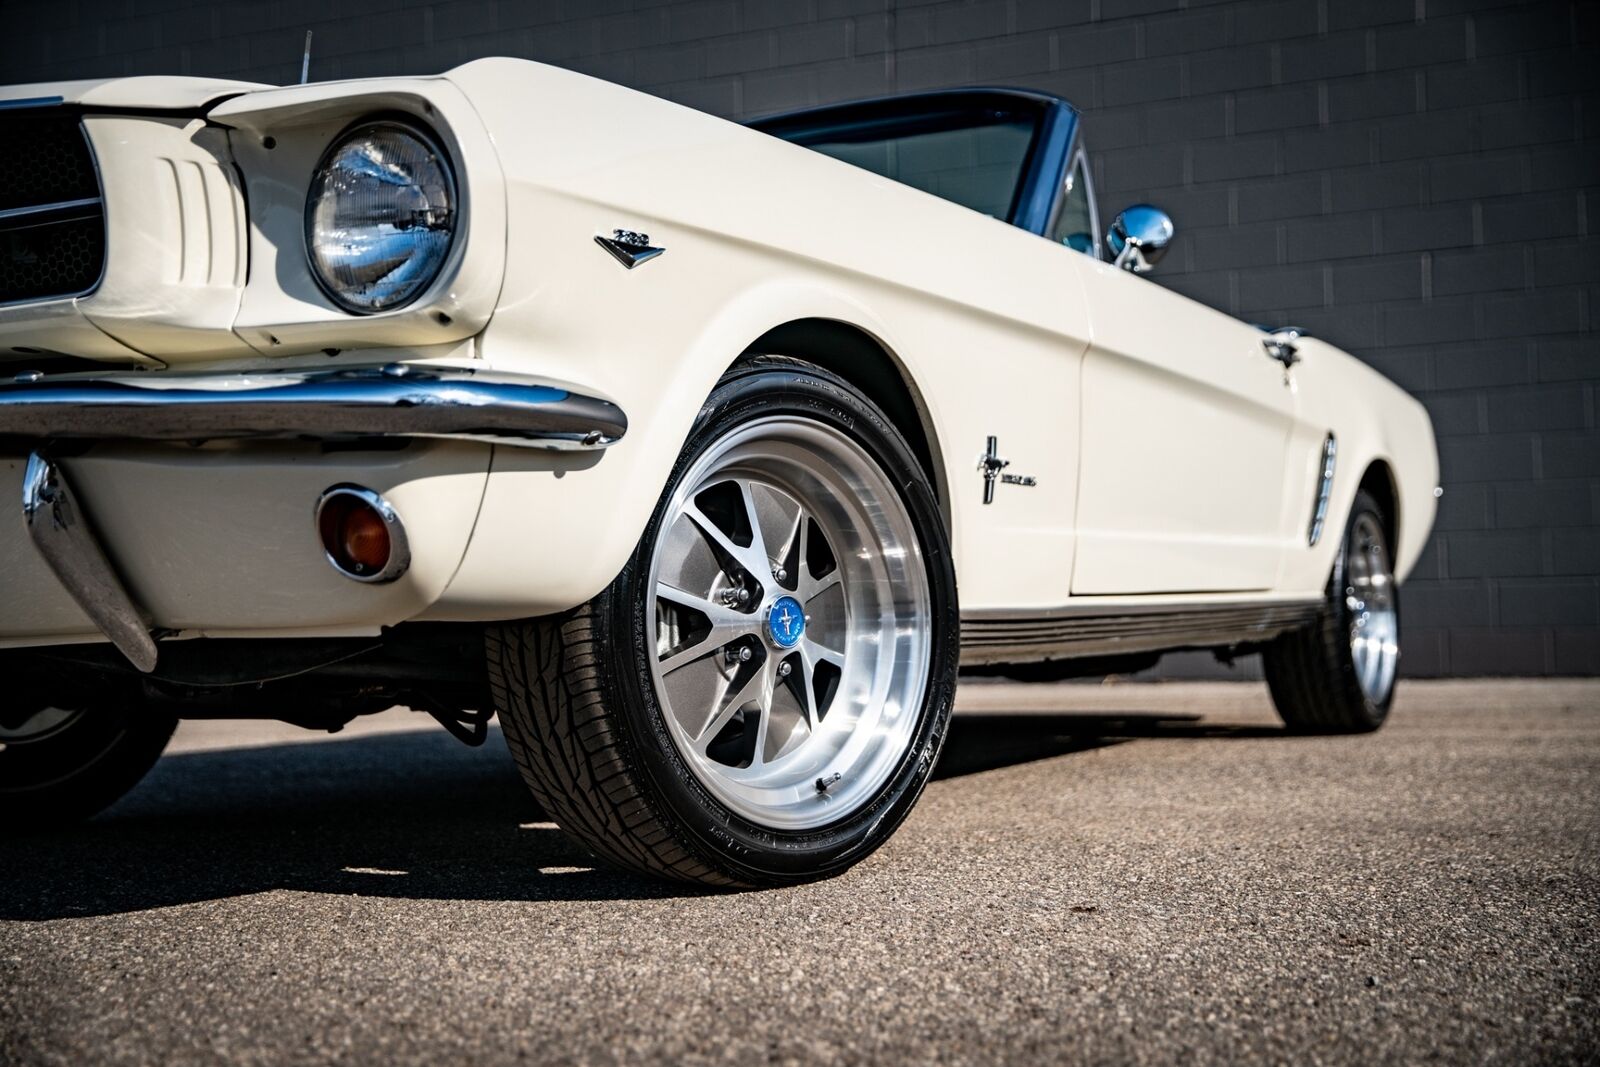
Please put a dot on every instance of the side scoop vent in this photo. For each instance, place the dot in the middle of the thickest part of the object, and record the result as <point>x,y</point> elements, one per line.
<point>1319,509</point>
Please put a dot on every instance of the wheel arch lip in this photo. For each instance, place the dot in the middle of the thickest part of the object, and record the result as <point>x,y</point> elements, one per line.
<point>878,371</point>
<point>494,582</point>
<point>1408,511</point>
<point>1378,479</point>
<point>1382,432</point>
<point>1400,458</point>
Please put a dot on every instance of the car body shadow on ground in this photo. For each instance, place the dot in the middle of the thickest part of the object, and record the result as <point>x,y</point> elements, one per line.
<point>404,815</point>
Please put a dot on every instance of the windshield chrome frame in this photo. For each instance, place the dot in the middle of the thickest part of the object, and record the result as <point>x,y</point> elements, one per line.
<point>1078,154</point>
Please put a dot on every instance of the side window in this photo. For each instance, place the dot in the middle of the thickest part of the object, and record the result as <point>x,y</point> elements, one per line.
<point>1074,225</point>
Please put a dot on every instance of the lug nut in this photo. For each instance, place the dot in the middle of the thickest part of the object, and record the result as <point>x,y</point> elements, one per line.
<point>784,668</point>
<point>735,596</point>
<point>741,654</point>
<point>780,574</point>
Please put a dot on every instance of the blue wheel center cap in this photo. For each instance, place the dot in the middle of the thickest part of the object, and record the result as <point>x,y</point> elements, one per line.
<point>786,622</point>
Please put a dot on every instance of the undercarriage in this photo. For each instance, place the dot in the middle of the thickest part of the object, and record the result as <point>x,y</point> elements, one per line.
<point>317,683</point>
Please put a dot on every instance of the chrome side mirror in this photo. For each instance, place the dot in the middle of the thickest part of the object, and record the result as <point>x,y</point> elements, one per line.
<point>1139,237</point>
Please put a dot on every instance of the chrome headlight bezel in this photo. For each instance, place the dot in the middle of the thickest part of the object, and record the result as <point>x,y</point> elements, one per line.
<point>315,196</point>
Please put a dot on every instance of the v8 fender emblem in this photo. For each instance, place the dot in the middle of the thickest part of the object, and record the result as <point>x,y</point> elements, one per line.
<point>629,248</point>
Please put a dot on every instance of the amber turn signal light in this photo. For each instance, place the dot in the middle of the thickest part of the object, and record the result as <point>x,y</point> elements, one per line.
<point>361,534</point>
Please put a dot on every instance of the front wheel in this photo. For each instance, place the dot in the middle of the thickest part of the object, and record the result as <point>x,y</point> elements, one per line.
<point>761,694</point>
<point>1337,675</point>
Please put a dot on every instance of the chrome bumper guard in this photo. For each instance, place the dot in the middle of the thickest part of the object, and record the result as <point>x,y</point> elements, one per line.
<point>59,530</point>
<point>393,401</point>
<point>398,400</point>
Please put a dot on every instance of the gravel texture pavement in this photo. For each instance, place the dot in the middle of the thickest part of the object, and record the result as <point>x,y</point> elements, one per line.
<point>1100,874</point>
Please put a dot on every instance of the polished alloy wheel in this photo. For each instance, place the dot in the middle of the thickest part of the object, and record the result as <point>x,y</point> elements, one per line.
<point>791,615</point>
<point>1370,600</point>
<point>760,695</point>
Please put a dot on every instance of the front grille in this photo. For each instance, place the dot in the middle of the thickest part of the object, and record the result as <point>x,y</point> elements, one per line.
<point>52,218</point>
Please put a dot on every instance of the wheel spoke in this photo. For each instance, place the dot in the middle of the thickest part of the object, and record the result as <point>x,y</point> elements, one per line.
<point>807,587</point>
<point>813,654</point>
<point>816,652</point>
<point>726,625</point>
<point>811,588</point>
<point>808,688</point>
<point>760,558</point>
<point>713,641</point>
<point>747,686</point>
<point>793,557</point>
<point>751,558</point>
<point>768,677</point>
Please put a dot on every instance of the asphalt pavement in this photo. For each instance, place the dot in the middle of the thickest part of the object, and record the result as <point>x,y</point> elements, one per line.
<point>1100,874</point>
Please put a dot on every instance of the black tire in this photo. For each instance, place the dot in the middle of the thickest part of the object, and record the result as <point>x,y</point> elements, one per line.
<point>81,768</point>
<point>1312,672</point>
<point>579,710</point>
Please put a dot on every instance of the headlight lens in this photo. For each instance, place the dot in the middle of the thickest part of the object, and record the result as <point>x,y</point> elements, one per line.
<point>380,216</point>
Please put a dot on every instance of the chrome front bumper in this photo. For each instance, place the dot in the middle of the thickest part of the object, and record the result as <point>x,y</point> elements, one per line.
<point>398,400</point>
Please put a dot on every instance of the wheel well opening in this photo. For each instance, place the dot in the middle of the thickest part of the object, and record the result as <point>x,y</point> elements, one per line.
<point>860,359</point>
<point>1378,482</point>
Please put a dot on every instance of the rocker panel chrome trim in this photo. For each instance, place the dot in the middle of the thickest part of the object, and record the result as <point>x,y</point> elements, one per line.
<point>60,531</point>
<point>399,400</point>
<point>1101,629</point>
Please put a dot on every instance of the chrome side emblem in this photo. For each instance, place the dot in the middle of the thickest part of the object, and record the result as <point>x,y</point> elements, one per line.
<point>991,463</point>
<point>629,248</point>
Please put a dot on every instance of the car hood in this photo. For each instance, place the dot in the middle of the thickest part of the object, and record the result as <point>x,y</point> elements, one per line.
<point>160,93</point>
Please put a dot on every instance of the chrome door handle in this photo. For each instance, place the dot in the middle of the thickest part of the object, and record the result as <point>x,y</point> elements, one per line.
<point>1283,345</point>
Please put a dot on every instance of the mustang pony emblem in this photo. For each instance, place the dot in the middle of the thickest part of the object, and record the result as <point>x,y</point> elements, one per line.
<point>786,622</point>
<point>991,463</point>
<point>629,248</point>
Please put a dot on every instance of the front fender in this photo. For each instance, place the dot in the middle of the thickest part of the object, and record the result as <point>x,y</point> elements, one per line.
<point>1374,421</point>
<point>554,530</point>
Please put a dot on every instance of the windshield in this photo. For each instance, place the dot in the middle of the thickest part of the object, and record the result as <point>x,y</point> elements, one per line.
<point>975,157</point>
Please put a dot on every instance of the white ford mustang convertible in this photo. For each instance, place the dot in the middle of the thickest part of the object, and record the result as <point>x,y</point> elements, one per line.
<point>704,455</point>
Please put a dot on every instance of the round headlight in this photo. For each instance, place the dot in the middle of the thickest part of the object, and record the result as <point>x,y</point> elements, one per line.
<point>380,216</point>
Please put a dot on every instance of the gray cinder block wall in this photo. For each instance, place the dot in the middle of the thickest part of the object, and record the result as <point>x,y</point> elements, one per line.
<point>1416,180</point>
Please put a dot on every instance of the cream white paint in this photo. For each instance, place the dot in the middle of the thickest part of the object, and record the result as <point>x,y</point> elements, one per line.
<point>1171,457</point>
<point>1183,403</point>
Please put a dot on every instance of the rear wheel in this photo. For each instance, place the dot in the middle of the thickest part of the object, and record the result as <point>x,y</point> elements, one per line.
<point>760,695</point>
<point>62,764</point>
<point>1338,674</point>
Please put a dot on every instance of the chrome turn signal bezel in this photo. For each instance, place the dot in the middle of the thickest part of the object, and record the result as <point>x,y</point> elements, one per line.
<point>399,560</point>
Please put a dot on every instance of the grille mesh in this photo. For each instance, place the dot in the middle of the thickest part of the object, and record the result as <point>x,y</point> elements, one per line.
<point>44,160</point>
<point>53,259</point>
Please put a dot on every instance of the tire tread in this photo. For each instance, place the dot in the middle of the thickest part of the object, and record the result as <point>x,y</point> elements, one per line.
<point>544,680</point>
